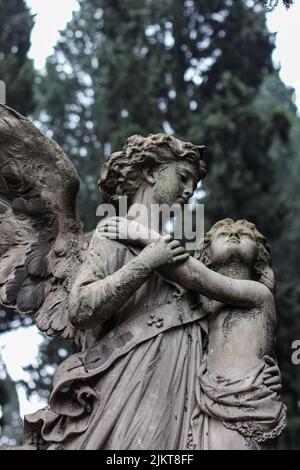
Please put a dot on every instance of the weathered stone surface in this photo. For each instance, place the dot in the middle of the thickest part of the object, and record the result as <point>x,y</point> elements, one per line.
<point>174,350</point>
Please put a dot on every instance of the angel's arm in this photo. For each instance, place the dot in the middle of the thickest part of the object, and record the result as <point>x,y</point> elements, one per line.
<point>102,288</point>
<point>94,301</point>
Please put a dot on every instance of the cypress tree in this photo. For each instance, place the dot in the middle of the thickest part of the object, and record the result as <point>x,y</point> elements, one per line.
<point>16,69</point>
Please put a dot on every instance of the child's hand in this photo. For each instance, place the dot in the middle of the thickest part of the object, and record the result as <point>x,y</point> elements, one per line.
<point>164,251</point>
<point>272,375</point>
<point>127,231</point>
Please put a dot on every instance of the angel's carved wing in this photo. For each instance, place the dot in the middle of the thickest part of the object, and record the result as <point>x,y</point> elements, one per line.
<point>41,242</point>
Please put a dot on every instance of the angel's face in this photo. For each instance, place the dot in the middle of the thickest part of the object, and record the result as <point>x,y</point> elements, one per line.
<point>233,242</point>
<point>174,183</point>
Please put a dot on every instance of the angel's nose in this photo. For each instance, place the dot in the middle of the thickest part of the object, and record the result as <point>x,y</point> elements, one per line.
<point>188,190</point>
<point>187,193</point>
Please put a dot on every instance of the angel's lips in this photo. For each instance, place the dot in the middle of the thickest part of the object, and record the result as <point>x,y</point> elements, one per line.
<point>182,200</point>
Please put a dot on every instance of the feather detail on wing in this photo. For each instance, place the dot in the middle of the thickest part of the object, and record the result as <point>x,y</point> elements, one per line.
<point>41,241</point>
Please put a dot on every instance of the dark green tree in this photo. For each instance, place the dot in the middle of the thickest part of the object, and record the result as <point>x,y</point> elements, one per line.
<point>51,353</point>
<point>10,421</point>
<point>286,253</point>
<point>16,69</point>
<point>126,67</point>
<point>270,4</point>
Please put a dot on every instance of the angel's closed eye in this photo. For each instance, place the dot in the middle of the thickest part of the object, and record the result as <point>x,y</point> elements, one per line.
<point>183,177</point>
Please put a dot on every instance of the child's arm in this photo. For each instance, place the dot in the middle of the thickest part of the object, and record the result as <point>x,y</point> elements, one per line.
<point>192,274</point>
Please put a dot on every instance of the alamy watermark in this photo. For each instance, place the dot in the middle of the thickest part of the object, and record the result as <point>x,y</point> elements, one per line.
<point>296,354</point>
<point>2,92</point>
<point>185,222</point>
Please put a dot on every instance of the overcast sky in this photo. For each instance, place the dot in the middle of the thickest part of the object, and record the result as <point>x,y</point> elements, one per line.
<point>52,16</point>
<point>20,348</point>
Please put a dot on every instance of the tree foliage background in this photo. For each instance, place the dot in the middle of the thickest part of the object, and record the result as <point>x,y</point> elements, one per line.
<point>199,69</point>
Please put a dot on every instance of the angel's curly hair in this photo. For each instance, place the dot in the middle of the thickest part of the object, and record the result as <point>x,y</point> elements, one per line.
<point>262,269</point>
<point>121,175</point>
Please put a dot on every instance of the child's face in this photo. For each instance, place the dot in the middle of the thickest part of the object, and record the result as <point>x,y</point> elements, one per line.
<point>233,241</point>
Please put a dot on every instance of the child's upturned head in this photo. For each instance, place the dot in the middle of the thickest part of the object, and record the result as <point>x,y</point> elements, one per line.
<point>228,243</point>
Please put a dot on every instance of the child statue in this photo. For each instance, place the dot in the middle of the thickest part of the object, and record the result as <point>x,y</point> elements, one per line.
<point>236,409</point>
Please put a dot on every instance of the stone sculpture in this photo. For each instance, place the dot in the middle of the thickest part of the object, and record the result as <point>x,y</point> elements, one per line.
<point>237,294</point>
<point>140,316</point>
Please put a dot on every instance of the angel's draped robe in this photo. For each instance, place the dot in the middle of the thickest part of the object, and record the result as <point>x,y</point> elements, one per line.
<point>137,383</point>
<point>115,396</point>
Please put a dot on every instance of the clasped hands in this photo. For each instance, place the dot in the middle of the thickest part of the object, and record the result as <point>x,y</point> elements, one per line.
<point>158,250</point>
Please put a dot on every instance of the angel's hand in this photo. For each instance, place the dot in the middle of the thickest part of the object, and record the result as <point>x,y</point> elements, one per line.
<point>272,375</point>
<point>163,251</point>
<point>127,231</point>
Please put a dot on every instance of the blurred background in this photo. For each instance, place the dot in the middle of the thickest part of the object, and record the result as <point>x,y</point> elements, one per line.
<point>204,70</point>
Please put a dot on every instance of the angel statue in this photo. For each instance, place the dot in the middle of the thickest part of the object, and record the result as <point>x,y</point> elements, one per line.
<point>139,310</point>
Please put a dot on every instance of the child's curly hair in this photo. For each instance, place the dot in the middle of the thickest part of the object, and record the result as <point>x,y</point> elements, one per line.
<point>121,175</point>
<point>262,269</point>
